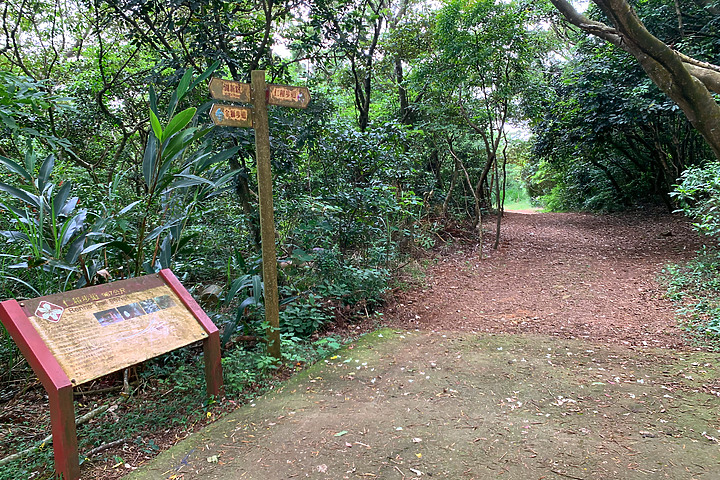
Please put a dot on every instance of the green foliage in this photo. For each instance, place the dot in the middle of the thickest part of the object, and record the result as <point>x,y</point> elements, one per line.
<point>251,288</point>
<point>244,367</point>
<point>24,102</point>
<point>29,467</point>
<point>304,317</point>
<point>606,136</point>
<point>698,196</point>
<point>58,239</point>
<point>327,345</point>
<point>55,236</point>
<point>9,354</point>
<point>695,288</point>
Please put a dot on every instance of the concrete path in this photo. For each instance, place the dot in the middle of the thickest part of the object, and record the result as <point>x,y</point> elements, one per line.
<point>402,405</point>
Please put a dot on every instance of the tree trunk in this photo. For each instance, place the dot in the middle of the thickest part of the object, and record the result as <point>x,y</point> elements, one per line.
<point>685,80</point>
<point>404,112</point>
<point>453,180</point>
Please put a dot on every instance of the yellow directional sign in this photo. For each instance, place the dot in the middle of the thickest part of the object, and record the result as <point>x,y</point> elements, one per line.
<point>229,90</point>
<point>231,116</point>
<point>286,96</point>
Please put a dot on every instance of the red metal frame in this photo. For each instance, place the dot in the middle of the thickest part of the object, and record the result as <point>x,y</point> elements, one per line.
<point>56,383</point>
<point>60,389</point>
<point>211,345</point>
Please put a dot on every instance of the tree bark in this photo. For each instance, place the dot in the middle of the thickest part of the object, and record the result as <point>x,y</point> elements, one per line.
<point>404,115</point>
<point>688,82</point>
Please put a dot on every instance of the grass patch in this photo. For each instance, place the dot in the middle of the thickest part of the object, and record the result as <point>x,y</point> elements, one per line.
<point>521,204</point>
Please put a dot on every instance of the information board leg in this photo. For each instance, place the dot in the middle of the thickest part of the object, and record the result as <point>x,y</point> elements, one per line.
<point>213,368</point>
<point>65,448</point>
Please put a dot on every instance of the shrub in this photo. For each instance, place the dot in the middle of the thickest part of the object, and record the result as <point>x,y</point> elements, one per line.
<point>304,317</point>
<point>698,196</point>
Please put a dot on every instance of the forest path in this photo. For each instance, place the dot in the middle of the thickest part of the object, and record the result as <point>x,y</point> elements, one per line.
<point>569,275</point>
<point>569,384</point>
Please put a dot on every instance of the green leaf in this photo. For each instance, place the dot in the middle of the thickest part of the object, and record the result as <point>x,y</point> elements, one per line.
<point>45,170</point>
<point>93,247</point>
<point>15,168</point>
<point>178,122</point>
<point>178,143</point>
<point>150,160</point>
<point>156,128</point>
<point>124,247</point>
<point>205,74</point>
<point>224,179</point>
<point>73,253</point>
<point>173,103</point>
<point>8,121</point>
<point>237,285</point>
<point>61,197</point>
<point>162,178</point>
<point>185,240</point>
<point>165,254</point>
<point>30,158</point>
<point>302,256</point>
<point>232,326</point>
<point>153,100</point>
<point>68,206</point>
<point>21,195</point>
<point>257,288</point>
<point>184,83</point>
<point>219,157</point>
<point>23,282</point>
<point>72,226</point>
<point>187,180</point>
<point>127,208</point>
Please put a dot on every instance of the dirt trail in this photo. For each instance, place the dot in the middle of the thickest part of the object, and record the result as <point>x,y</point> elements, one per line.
<point>564,274</point>
<point>452,391</point>
<point>403,405</point>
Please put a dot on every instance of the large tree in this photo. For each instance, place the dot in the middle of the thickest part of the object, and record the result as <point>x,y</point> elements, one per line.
<point>483,60</point>
<point>608,135</point>
<point>688,81</point>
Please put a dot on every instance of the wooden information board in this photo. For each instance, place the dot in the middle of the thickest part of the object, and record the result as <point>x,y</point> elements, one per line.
<point>105,328</point>
<point>73,337</point>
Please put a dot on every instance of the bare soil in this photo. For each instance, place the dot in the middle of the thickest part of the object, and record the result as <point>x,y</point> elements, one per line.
<point>556,357</point>
<point>563,274</point>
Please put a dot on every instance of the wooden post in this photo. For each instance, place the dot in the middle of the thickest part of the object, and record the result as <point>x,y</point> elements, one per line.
<point>260,95</point>
<point>66,341</point>
<point>267,217</point>
<point>64,435</point>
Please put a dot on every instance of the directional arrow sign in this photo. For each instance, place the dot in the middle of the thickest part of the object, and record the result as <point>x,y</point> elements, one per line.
<point>231,115</point>
<point>229,90</point>
<point>285,96</point>
<point>260,94</point>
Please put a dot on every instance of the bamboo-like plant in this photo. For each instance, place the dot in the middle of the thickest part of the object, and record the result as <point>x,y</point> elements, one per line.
<point>57,236</point>
<point>175,176</point>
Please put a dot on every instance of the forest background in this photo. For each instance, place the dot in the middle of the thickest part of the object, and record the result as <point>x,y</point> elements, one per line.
<point>424,116</point>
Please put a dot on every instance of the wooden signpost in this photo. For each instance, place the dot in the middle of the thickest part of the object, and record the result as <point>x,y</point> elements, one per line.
<point>73,337</point>
<point>260,95</point>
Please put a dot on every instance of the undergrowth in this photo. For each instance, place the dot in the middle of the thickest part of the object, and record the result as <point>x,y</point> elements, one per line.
<point>168,395</point>
<point>695,288</point>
